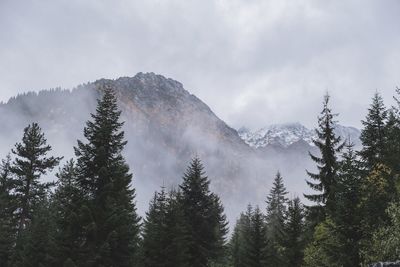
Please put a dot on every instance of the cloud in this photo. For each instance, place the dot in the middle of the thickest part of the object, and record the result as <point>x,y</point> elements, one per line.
<point>254,62</point>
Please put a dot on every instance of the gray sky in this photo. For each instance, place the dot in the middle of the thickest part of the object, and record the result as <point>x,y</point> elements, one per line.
<point>254,62</point>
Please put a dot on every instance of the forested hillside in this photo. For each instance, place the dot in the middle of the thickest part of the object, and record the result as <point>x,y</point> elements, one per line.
<point>88,216</point>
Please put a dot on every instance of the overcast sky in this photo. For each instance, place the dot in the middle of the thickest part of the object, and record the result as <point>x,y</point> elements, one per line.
<point>254,62</point>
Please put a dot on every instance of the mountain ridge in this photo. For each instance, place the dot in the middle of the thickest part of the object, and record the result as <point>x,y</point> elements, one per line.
<point>165,126</point>
<point>286,134</point>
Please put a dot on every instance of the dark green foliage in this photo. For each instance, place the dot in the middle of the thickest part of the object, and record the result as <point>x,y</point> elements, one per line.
<point>236,245</point>
<point>392,140</point>
<point>257,254</point>
<point>377,191</point>
<point>275,220</point>
<point>7,208</point>
<point>347,217</point>
<point>29,165</point>
<point>204,217</point>
<point>294,234</point>
<point>66,203</point>
<point>69,263</point>
<point>109,213</point>
<point>373,134</point>
<point>321,251</point>
<point>329,145</point>
<point>385,242</point>
<point>248,242</point>
<point>35,244</point>
<point>155,232</point>
<point>178,235</point>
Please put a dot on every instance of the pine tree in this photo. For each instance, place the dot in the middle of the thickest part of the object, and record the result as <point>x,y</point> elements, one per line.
<point>155,232</point>
<point>392,136</point>
<point>391,154</point>
<point>35,243</point>
<point>373,134</point>
<point>65,206</point>
<point>203,217</point>
<point>176,250</point>
<point>246,228</point>
<point>236,247</point>
<point>248,243</point>
<point>329,145</point>
<point>347,216</point>
<point>29,165</point>
<point>111,223</point>
<point>7,209</point>
<point>219,249</point>
<point>257,254</point>
<point>275,220</point>
<point>294,237</point>
<point>241,242</point>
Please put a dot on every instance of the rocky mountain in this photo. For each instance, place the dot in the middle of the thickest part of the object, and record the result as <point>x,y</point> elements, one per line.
<point>287,134</point>
<point>166,126</point>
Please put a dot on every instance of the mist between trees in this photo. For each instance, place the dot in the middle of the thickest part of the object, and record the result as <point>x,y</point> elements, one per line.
<point>88,215</point>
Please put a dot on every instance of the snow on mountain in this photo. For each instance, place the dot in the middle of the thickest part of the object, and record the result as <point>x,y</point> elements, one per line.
<point>289,133</point>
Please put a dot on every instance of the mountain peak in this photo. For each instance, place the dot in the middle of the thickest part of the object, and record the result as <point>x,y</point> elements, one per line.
<point>287,134</point>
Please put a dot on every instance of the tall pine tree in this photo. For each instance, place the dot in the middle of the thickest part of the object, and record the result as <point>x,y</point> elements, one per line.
<point>347,217</point>
<point>257,249</point>
<point>327,163</point>
<point>178,232</point>
<point>155,232</point>
<point>373,134</point>
<point>29,165</point>
<point>294,234</point>
<point>203,215</point>
<point>275,220</point>
<point>112,224</point>
<point>66,202</point>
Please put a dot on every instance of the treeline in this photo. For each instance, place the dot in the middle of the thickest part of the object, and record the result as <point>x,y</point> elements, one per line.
<point>88,216</point>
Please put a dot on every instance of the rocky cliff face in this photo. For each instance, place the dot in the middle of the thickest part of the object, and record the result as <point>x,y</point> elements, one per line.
<point>166,126</point>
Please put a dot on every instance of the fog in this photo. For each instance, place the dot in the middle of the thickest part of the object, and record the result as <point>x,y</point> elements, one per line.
<point>165,127</point>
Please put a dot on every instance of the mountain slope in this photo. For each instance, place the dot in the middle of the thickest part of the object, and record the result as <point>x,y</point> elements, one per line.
<point>165,126</point>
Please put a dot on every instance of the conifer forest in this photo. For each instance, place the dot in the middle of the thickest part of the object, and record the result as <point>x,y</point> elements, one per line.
<point>88,216</point>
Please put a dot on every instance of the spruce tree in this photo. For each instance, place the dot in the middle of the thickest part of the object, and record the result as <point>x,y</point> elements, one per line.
<point>391,154</point>
<point>66,202</point>
<point>257,251</point>
<point>111,223</point>
<point>241,242</point>
<point>7,209</point>
<point>294,242</point>
<point>204,218</point>
<point>275,220</point>
<point>29,165</point>
<point>235,247</point>
<point>347,218</point>
<point>327,163</point>
<point>155,232</point>
<point>373,134</point>
<point>176,250</point>
<point>35,243</point>
<point>221,230</point>
<point>248,244</point>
